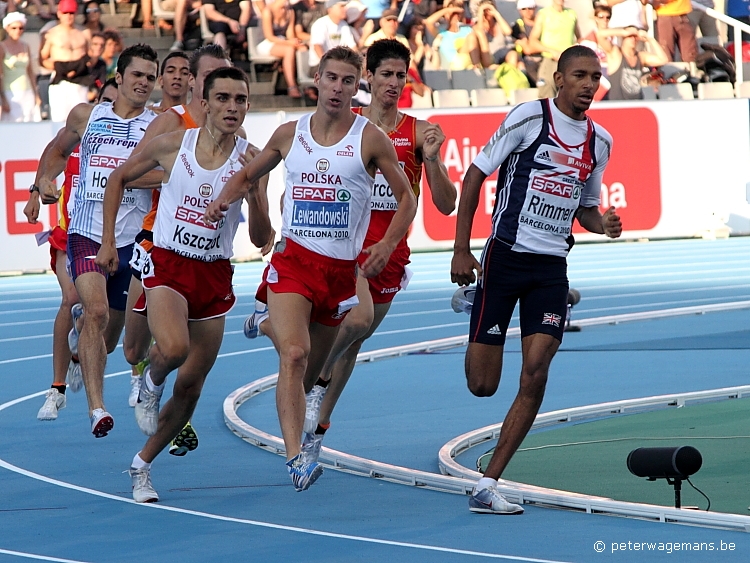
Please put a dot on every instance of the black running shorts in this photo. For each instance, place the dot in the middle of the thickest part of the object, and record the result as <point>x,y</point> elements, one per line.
<point>538,281</point>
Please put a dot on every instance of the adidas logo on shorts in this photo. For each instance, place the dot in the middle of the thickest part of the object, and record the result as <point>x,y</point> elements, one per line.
<point>495,331</point>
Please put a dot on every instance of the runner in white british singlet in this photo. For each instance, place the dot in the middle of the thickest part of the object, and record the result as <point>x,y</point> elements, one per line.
<point>551,158</point>
<point>107,133</point>
<point>331,158</point>
<point>187,277</point>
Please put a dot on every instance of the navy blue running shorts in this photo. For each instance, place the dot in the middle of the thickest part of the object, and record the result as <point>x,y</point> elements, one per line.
<point>538,281</point>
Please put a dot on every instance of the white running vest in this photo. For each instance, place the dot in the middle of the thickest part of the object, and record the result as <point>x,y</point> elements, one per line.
<point>179,225</point>
<point>328,191</point>
<point>108,142</point>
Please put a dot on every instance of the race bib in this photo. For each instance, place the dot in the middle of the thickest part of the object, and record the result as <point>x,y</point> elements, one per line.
<point>147,267</point>
<point>139,257</point>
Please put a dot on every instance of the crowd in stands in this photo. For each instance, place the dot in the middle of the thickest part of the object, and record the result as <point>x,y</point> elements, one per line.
<point>77,52</point>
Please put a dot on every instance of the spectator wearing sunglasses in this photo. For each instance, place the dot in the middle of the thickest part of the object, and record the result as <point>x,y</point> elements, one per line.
<point>18,98</point>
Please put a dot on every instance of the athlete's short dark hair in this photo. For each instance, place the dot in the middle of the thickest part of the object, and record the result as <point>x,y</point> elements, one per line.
<point>139,51</point>
<point>386,49</point>
<point>574,52</point>
<point>231,72</point>
<point>211,50</point>
<point>172,55</point>
<point>344,55</point>
<point>110,82</point>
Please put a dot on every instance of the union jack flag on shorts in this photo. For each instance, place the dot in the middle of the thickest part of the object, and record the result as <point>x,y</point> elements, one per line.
<point>551,319</point>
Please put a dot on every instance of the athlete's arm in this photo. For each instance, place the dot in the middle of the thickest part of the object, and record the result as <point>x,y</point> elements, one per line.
<point>268,159</point>
<point>430,138</point>
<point>166,122</point>
<point>463,263</point>
<point>155,154</point>
<point>259,221</point>
<point>383,156</point>
<point>55,155</point>
<point>31,209</point>
<point>593,221</point>
<point>517,132</point>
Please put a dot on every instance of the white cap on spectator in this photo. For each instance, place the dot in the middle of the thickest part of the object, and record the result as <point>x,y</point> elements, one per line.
<point>521,4</point>
<point>354,10</point>
<point>14,17</point>
<point>332,3</point>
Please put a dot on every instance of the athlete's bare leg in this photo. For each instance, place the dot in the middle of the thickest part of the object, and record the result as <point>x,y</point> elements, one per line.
<point>204,342</point>
<point>92,350</point>
<point>343,368</point>
<point>356,324</point>
<point>137,337</point>
<point>168,322</point>
<point>290,318</point>
<point>483,375</point>
<point>63,321</point>
<point>114,329</point>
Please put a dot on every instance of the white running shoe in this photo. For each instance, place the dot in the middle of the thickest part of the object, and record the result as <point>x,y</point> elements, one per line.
<point>147,407</point>
<point>252,323</point>
<point>143,491</point>
<point>76,310</point>
<point>135,389</point>
<point>101,423</point>
<point>463,299</point>
<point>74,377</point>
<point>313,400</point>
<point>490,501</point>
<point>311,444</point>
<point>53,402</point>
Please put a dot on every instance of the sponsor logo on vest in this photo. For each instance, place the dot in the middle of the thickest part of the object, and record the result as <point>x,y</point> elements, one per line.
<point>322,165</point>
<point>206,190</point>
<point>348,152</point>
<point>104,161</point>
<point>543,157</point>
<point>194,218</point>
<point>313,194</point>
<point>400,142</point>
<point>99,127</point>
<point>553,187</point>
<point>314,178</point>
<point>185,162</point>
<point>344,195</point>
<point>304,144</point>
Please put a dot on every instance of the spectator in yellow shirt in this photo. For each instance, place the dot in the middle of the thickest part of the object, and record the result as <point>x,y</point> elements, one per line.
<point>674,27</point>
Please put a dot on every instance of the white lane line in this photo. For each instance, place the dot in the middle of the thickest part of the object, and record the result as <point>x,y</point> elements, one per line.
<point>259,523</point>
<point>38,557</point>
<point>49,335</point>
<point>27,311</point>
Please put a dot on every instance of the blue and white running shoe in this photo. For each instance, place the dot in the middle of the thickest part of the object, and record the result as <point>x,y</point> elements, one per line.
<point>252,323</point>
<point>303,474</point>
